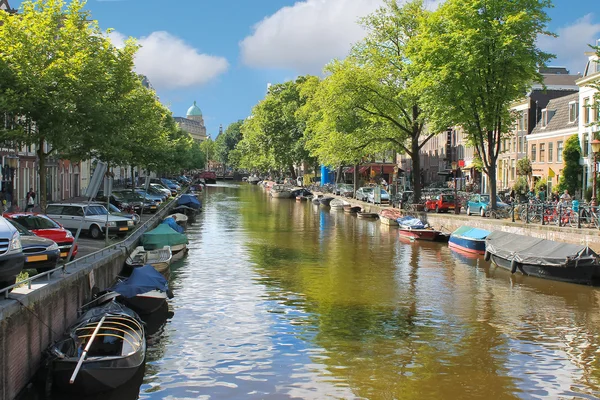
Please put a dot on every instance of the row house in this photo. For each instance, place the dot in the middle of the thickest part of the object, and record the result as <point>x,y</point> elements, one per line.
<point>558,82</point>
<point>589,110</point>
<point>559,120</point>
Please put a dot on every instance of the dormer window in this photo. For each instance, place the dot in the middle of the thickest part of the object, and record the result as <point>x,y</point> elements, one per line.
<point>573,111</point>
<point>544,120</point>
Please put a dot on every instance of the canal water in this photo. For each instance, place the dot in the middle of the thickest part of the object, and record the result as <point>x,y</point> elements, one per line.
<point>285,300</point>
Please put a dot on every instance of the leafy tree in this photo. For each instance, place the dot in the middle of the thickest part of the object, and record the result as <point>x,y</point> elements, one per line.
<point>475,57</point>
<point>208,149</point>
<point>521,186</point>
<point>227,141</point>
<point>541,185</point>
<point>524,168</point>
<point>273,136</point>
<point>571,177</point>
<point>64,71</point>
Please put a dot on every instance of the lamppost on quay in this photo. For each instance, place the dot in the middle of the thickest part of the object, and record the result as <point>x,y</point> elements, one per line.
<point>595,150</point>
<point>454,166</point>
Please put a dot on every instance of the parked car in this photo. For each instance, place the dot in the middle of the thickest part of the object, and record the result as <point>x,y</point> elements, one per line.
<point>344,189</point>
<point>160,188</point>
<point>385,196</point>
<point>40,253</point>
<point>479,203</point>
<point>363,192</point>
<point>95,218</point>
<point>12,258</point>
<point>46,227</point>
<point>136,200</point>
<point>150,196</point>
<point>115,211</point>
<point>441,203</point>
<point>172,186</point>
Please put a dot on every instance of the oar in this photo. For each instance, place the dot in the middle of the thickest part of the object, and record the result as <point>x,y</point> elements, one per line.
<point>87,348</point>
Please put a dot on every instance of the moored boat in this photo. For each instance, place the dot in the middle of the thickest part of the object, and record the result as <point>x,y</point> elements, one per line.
<point>253,180</point>
<point>542,258</point>
<point>325,201</point>
<point>281,192</point>
<point>349,209</point>
<point>367,215</point>
<point>164,235</point>
<point>144,291</point>
<point>414,228</point>
<point>338,204</point>
<point>389,216</point>
<point>101,352</point>
<point>180,219</point>
<point>160,258</point>
<point>468,239</point>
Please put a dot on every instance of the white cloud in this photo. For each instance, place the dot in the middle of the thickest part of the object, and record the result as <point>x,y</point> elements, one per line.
<point>171,63</point>
<point>572,42</point>
<point>307,35</point>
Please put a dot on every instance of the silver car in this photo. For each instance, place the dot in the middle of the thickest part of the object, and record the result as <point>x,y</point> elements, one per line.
<point>362,193</point>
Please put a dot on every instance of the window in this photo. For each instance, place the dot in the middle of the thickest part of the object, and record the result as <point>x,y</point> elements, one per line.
<point>559,151</point>
<point>586,110</point>
<point>521,140</point>
<point>550,150</point>
<point>521,122</point>
<point>585,145</point>
<point>544,120</point>
<point>533,153</point>
<point>512,169</point>
<point>573,111</point>
<point>542,152</point>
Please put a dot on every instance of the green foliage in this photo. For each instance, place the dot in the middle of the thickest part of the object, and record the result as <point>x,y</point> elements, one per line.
<point>273,137</point>
<point>524,167</point>
<point>541,185</point>
<point>227,141</point>
<point>571,177</point>
<point>521,186</point>
<point>475,58</point>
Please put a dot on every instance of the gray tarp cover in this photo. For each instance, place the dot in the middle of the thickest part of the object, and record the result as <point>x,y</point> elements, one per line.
<point>535,251</point>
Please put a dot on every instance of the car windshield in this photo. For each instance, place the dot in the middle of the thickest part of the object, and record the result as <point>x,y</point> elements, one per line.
<point>383,191</point>
<point>168,182</point>
<point>36,222</point>
<point>96,210</point>
<point>485,198</point>
<point>448,198</point>
<point>113,209</point>
<point>22,230</point>
<point>367,190</point>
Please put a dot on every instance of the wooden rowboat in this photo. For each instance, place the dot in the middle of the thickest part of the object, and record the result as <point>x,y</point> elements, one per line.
<point>367,215</point>
<point>160,259</point>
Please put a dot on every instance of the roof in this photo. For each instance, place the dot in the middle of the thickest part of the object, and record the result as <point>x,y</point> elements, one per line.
<point>558,116</point>
<point>194,111</point>
<point>187,121</point>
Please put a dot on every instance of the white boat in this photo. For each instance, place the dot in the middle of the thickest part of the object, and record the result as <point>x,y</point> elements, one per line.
<point>179,251</point>
<point>160,259</point>
<point>181,219</point>
<point>338,204</point>
<point>281,192</point>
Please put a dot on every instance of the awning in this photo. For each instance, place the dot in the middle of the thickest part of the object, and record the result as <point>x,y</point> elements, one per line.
<point>363,169</point>
<point>388,169</point>
<point>348,170</point>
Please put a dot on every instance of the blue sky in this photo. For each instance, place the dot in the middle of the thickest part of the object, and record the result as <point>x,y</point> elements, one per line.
<point>223,53</point>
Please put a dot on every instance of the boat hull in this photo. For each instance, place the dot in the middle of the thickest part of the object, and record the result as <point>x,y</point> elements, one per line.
<point>388,221</point>
<point>145,304</point>
<point>178,251</point>
<point>582,274</point>
<point>281,195</point>
<point>419,234</point>
<point>468,245</point>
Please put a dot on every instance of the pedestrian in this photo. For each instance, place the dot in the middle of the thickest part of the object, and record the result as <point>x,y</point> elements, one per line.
<point>30,200</point>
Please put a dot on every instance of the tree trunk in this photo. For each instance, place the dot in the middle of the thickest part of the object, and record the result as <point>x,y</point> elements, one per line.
<point>339,174</point>
<point>293,172</point>
<point>492,178</point>
<point>132,179</point>
<point>355,178</point>
<point>42,173</point>
<point>416,166</point>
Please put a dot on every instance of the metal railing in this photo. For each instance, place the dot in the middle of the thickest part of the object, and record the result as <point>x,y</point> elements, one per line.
<point>123,246</point>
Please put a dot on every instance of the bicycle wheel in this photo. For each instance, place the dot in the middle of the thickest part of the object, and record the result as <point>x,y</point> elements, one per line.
<point>573,220</point>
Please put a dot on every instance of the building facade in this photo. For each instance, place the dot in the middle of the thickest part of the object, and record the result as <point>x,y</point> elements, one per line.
<point>559,121</point>
<point>589,111</point>
<point>193,123</point>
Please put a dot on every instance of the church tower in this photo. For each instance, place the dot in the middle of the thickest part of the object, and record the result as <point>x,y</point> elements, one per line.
<point>193,123</point>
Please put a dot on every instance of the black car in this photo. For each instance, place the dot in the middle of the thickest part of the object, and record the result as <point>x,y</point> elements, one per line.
<point>11,253</point>
<point>40,253</point>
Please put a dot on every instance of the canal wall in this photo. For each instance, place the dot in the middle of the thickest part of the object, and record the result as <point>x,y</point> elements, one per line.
<point>30,322</point>
<point>447,222</point>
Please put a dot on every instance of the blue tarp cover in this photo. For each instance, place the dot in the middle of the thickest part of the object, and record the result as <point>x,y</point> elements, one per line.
<point>411,222</point>
<point>142,280</point>
<point>471,233</point>
<point>190,201</point>
<point>173,224</point>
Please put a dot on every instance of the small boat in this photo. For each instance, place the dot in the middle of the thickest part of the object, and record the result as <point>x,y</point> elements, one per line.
<point>389,216</point>
<point>188,212</point>
<point>281,192</point>
<point>301,192</point>
<point>349,209</point>
<point>542,258</point>
<point>367,215</point>
<point>102,351</point>
<point>160,259</point>
<point>468,240</point>
<point>190,201</point>
<point>144,291</point>
<point>164,235</point>
<point>338,204</point>
<point>180,219</point>
<point>414,228</point>
<point>325,201</point>
<point>253,180</point>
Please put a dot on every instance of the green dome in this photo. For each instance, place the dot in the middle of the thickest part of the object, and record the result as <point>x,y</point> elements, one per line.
<point>194,111</point>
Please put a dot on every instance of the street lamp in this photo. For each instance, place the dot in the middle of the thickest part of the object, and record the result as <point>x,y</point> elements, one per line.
<point>595,150</point>
<point>454,166</point>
